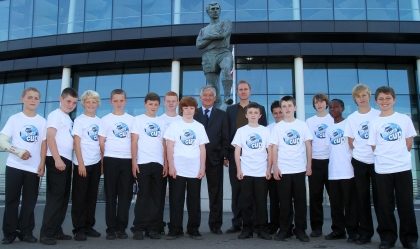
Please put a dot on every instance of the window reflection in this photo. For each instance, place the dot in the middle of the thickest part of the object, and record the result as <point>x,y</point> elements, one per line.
<point>12,93</point>
<point>349,10</point>
<point>71,16</point>
<point>187,11</point>
<point>317,10</point>
<point>41,85</point>
<point>280,78</point>
<point>228,10</point>
<point>107,81</point>
<point>21,15</point>
<point>127,14</point>
<point>283,10</point>
<point>315,78</point>
<point>45,17</point>
<point>373,75</point>
<point>409,10</point>
<point>255,74</point>
<point>160,80</point>
<point>4,20</point>
<point>156,12</point>
<point>84,81</point>
<point>251,10</point>
<point>192,80</point>
<point>341,78</point>
<point>98,15</point>
<point>53,89</point>
<point>382,9</point>
<point>402,78</point>
<point>7,112</point>
<point>135,82</point>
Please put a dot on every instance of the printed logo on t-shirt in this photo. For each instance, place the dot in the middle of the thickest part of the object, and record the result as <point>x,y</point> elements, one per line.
<point>120,130</point>
<point>29,133</point>
<point>93,132</point>
<point>320,131</point>
<point>152,130</point>
<point>337,137</point>
<point>188,137</point>
<point>391,132</point>
<point>364,130</point>
<point>254,141</point>
<point>291,137</point>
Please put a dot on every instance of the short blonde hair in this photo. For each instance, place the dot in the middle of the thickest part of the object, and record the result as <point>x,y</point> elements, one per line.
<point>90,94</point>
<point>358,89</point>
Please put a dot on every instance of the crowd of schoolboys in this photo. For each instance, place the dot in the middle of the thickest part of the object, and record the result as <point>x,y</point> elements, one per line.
<point>344,156</point>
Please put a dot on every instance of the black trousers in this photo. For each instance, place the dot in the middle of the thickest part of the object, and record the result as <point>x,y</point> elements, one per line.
<point>146,211</point>
<point>17,182</point>
<point>118,183</point>
<point>402,184</point>
<point>364,175</point>
<point>317,181</point>
<point>254,188</point>
<point>57,199</point>
<point>343,206</point>
<point>292,189</point>
<point>274,204</point>
<point>162,194</point>
<point>236,191</point>
<point>214,176</point>
<point>84,197</point>
<point>177,189</point>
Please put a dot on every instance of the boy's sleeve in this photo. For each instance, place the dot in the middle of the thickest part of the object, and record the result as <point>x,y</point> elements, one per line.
<point>274,135</point>
<point>44,130</point>
<point>77,128</point>
<point>53,120</point>
<point>267,137</point>
<point>411,131</point>
<point>170,133</point>
<point>102,128</point>
<point>237,138</point>
<point>372,134</point>
<point>8,127</point>
<point>307,133</point>
<point>135,127</point>
<point>348,131</point>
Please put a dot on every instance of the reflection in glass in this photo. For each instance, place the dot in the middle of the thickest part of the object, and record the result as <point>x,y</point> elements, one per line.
<point>349,10</point>
<point>104,108</point>
<point>53,90</point>
<point>309,108</point>
<point>12,93</point>
<point>192,80</point>
<point>409,10</point>
<point>40,85</point>
<point>283,10</point>
<point>7,112</point>
<point>71,16</point>
<point>135,82</point>
<point>251,10</point>
<point>85,81</point>
<point>45,17</point>
<point>280,78</point>
<point>21,16</point>
<point>127,14</point>
<point>98,15</point>
<point>188,11</point>
<point>403,105</point>
<point>261,100</point>
<point>160,80</point>
<point>341,78</point>
<point>51,106</point>
<point>4,20</point>
<point>255,74</point>
<point>317,10</point>
<point>41,110</point>
<point>373,75</point>
<point>228,10</point>
<point>382,9</point>
<point>156,12</point>
<point>401,78</point>
<point>1,92</point>
<point>107,81</point>
<point>135,106</point>
<point>315,78</point>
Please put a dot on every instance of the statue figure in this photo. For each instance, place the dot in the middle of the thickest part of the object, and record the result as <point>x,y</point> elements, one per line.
<point>214,39</point>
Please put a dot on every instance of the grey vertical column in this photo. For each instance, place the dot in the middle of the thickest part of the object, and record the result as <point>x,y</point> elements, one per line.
<point>175,76</point>
<point>65,78</point>
<point>72,11</point>
<point>299,89</point>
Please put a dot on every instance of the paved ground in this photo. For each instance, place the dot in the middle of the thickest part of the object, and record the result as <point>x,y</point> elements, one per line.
<point>209,240</point>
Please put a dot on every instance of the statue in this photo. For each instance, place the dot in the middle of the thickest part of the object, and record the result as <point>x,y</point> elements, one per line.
<point>214,39</point>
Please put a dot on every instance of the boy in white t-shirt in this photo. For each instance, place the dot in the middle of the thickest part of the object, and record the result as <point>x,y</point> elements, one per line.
<point>59,168</point>
<point>186,154</point>
<point>149,166</point>
<point>357,132</point>
<point>290,138</point>
<point>253,163</point>
<point>115,142</point>
<point>24,166</point>
<point>170,101</point>
<point>391,137</point>
<point>341,178</point>
<point>317,125</point>
<point>87,168</point>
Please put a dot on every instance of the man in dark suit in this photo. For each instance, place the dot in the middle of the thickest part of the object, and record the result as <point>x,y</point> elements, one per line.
<point>237,119</point>
<point>216,124</point>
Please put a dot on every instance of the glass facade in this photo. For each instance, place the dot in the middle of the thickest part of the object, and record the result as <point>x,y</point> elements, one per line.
<point>33,18</point>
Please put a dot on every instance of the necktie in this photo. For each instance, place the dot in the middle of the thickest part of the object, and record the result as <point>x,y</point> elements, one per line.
<point>206,117</point>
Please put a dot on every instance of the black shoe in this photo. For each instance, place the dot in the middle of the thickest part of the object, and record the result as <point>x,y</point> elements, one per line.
<point>122,235</point>
<point>271,230</point>
<point>412,245</point>
<point>27,238</point>
<point>92,233</point>
<point>302,236</point>
<point>282,236</point>
<point>161,231</point>
<point>245,235</point>
<point>385,245</point>
<point>233,229</point>
<point>62,237</point>
<point>217,231</point>
<point>48,240</point>
<point>335,235</point>
<point>173,235</point>
<point>264,235</point>
<point>111,236</point>
<point>353,238</point>
<point>8,239</point>
<point>195,235</point>
<point>154,235</point>
<point>316,232</point>
<point>80,236</point>
<point>362,240</point>
<point>138,235</point>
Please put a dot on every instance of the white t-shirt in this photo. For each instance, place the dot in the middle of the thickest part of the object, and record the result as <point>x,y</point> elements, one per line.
<point>27,133</point>
<point>87,129</point>
<point>150,131</point>
<point>389,135</point>
<point>271,126</point>
<point>290,138</point>
<point>168,120</point>
<point>254,142</point>
<point>187,137</point>
<point>317,126</point>
<point>64,137</point>
<point>340,166</point>
<point>358,129</point>
<point>117,131</point>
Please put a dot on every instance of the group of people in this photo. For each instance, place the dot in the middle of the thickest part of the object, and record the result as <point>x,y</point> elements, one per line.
<point>344,156</point>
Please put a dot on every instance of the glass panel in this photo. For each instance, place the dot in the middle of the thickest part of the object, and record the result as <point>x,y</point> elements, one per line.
<point>409,10</point>
<point>403,105</point>
<point>188,11</point>
<point>251,10</point>
<point>270,100</point>
<point>382,10</point>
<point>228,10</point>
<point>107,81</point>
<point>51,106</point>
<point>126,14</point>
<point>315,78</point>
<point>84,81</point>
<point>349,10</point>
<point>309,109</point>
<point>373,75</point>
<point>45,17</point>
<point>98,15</point>
<point>104,108</point>
<point>1,93</point>
<point>155,13</point>
<point>192,80</point>
<point>282,10</point>
<point>53,90</point>
<point>21,16</point>
<point>41,110</point>
<point>262,100</point>
<point>160,80</point>
<point>41,85</point>
<point>3,159</point>
<point>341,78</point>
<point>71,16</point>
<point>255,74</point>
<point>12,93</point>
<point>136,82</point>
<point>317,10</point>
<point>135,106</point>
<point>280,78</point>
<point>401,78</point>
<point>4,20</point>
<point>7,112</point>
<point>349,106</point>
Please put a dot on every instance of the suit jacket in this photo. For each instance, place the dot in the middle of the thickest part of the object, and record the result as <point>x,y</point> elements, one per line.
<point>218,133</point>
<point>232,111</point>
